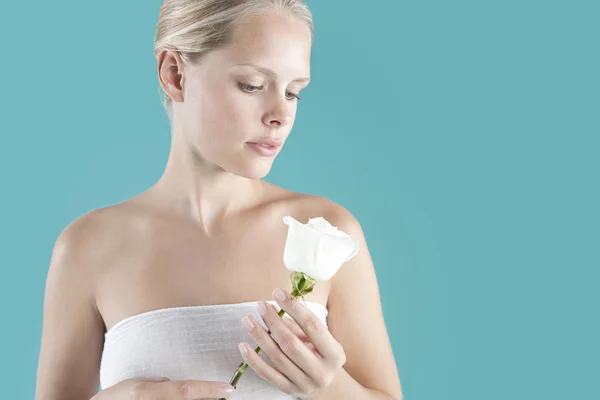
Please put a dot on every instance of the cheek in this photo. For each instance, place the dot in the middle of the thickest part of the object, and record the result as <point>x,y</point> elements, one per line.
<point>227,115</point>
<point>294,109</point>
<point>234,108</point>
<point>230,104</point>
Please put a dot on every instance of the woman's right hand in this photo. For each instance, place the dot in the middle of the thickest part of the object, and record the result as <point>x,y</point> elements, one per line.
<point>164,389</point>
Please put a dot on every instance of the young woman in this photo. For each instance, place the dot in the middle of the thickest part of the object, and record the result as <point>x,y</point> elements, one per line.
<point>151,297</point>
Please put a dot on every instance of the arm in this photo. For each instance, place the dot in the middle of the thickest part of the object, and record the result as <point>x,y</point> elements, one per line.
<point>356,320</point>
<point>73,330</point>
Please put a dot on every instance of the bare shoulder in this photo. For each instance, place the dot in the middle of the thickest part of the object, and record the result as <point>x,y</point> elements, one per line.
<point>312,206</point>
<point>305,206</point>
<point>78,251</point>
<point>83,244</point>
<point>91,235</point>
<point>84,229</point>
<point>354,304</point>
<point>73,330</point>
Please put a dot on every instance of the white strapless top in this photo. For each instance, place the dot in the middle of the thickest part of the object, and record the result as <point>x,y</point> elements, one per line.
<point>189,342</point>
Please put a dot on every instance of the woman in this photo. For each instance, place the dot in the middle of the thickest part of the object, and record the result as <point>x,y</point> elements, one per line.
<point>147,297</point>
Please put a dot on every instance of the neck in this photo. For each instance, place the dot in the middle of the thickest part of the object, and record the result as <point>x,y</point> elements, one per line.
<point>202,191</point>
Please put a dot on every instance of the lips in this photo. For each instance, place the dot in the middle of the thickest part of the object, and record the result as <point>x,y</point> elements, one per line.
<point>268,142</point>
<point>264,150</point>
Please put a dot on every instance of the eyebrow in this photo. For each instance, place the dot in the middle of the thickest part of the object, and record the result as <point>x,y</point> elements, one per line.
<point>270,72</point>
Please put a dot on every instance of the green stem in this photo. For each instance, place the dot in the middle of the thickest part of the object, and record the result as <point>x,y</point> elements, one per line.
<point>243,366</point>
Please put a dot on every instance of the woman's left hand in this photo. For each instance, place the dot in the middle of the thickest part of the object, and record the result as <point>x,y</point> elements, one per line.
<point>305,354</point>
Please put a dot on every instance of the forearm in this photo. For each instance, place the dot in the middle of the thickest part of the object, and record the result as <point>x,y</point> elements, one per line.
<point>344,386</point>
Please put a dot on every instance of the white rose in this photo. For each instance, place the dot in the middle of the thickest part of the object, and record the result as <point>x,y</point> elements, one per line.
<point>316,248</point>
<point>313,252</point>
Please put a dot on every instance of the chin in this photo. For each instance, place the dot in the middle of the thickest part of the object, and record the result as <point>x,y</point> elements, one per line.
<point>254,170</point>
<point>259,173</point>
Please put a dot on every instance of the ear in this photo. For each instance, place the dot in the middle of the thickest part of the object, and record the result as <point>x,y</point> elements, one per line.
<point>170,74</point>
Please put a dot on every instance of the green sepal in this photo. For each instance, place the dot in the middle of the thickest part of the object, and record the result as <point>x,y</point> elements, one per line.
<point>302,284</point>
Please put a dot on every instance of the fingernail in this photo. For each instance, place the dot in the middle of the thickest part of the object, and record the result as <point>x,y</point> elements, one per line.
<point>261,308</point>
<point>279,294</point>
<point>243,348</point>
<point>247,323</point>
<point>227,389</point>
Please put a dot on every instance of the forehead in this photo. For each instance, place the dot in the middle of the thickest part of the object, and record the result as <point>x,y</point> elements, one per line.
<point>277,41</point>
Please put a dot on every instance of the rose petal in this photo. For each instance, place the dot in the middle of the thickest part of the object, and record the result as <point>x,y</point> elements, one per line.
<point>317,248</point>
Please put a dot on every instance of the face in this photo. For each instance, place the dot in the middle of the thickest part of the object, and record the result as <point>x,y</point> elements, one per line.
<point>246,92</point>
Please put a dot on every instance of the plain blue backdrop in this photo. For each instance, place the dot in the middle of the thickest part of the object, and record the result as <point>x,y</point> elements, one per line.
<point>463,135</point>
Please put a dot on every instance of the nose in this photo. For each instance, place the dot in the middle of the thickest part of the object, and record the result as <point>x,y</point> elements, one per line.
<point>278,115</point>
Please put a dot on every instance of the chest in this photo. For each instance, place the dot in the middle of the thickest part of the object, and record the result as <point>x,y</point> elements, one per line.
<point>173,265</point>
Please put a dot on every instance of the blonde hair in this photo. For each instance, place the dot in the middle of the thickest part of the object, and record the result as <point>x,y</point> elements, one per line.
<point>195,27</point>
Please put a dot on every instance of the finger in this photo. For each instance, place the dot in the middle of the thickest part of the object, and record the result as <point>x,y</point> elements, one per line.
<point>313,327</point>
<point>293,326</point>
<point>290,323</point>
<point>275,353</point>
<point>290,345</point>
<point>194,389</point>
<point>267,372</point>
<point>301,335</point>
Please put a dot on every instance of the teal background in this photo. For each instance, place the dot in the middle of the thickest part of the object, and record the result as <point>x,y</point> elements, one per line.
<point>463,135</point>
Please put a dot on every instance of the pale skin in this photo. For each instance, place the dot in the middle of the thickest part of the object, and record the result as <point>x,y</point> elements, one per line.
<point>210,231</point>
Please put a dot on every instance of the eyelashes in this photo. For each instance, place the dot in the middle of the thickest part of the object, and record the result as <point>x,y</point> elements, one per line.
<point>249,88</point>
<point>253,89</point>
